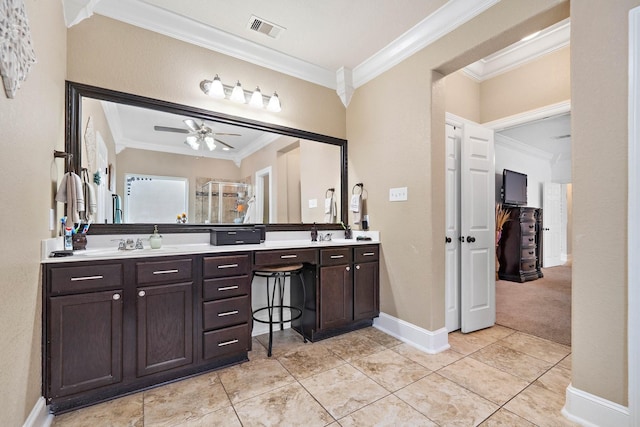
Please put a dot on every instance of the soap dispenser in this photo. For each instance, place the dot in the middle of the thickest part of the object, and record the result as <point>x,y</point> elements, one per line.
<point>155,240</point>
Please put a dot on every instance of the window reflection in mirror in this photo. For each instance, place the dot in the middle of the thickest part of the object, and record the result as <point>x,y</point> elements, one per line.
<point>233,174</point>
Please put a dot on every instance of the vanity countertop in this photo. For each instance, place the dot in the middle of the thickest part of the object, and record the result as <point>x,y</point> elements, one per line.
<point>104,247</point>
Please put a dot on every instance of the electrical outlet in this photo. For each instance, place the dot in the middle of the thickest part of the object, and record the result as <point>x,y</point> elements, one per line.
<point>399,194</point>
<point>313,203</point>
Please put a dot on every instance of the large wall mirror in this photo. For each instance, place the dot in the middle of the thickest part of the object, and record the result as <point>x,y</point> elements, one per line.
<point>156,162</point>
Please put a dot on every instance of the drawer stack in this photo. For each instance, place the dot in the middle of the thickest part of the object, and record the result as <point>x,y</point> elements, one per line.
<point>520,245</point>
<point>226,305</point>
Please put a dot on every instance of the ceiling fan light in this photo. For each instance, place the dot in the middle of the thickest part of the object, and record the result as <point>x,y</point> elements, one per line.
<point>216,89</point>
<point>256,98</point>
<point>238,94</point>
<point>274,103</point>
<point>210,142</point>
<point>192,142</point>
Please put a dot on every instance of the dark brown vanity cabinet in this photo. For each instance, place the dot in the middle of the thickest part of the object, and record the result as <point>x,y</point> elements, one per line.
<point>336,287</point>
<point>346,295</point>
<point>520,247</point>
<point>164,315</point>
<point>118,326</point>
<point>85,334</point>
<point>226,306</point>
<point>366,283</point>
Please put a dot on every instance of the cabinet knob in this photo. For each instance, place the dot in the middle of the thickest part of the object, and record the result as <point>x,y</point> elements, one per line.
<point>348,268</point>
<point>357,267</point>
<point>141,293</point>
<point>116,297</point>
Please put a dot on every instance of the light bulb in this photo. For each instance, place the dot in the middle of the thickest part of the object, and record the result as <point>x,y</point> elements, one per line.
<point>192,142</point>
<point>274,103</point>
<point>238,94</point>
<point>256,98</point>
<point>216,89</point>
<point>210,142</point>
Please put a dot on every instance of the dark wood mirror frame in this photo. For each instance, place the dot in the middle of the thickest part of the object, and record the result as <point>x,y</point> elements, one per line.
<point>73,139</point>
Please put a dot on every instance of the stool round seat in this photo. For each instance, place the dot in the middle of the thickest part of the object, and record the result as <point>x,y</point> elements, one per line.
<point>279,274</point>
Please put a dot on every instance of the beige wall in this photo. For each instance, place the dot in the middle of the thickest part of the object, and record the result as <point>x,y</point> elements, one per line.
<point>396,138</point>
<point>320,167</point>
<point>599,93</point>
<point>462,96</point>
<point>32,127</point>
<point>537,84</point>
<point>108,53</point>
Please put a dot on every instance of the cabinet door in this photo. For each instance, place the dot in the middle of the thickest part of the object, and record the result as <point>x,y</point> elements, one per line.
<point>336,296</point>
<point>164,327</point>
<point>86,342</point>
<point>365,291</point>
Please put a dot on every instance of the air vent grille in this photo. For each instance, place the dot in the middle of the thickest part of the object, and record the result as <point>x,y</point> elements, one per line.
<point>562,136</point>
<point>264,27</point>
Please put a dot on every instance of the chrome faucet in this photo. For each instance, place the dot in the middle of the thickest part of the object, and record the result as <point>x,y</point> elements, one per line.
<point>121,244</point>
<point>130,244</point>
<point>139,244</point>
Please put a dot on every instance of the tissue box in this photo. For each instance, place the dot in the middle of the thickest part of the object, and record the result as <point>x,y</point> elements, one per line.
<point>235,236</point>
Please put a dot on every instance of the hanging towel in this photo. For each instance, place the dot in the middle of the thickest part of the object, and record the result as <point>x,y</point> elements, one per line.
<point>330,210</point>
<point>356,207</point>
<point>251,210</point>
<point>70,192</point>
<point>89,196</point>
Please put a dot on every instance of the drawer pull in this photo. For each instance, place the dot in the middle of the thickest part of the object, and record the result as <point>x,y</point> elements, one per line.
<point>531,240</point>
<point>228,266</point>
<point>165,271</point>
<point>239,241</point>
<point>116,297</point>
<point>337,256</point>
<point>531,252</point>
<point>288,256</point>
<point>531,226</point>
<point>78,279</point>
<point>222,344</point>
<point>368,254</point>
<point>141,293</point>
<point>228,313</point>
<point>228,288</point>
<point>229,233</point>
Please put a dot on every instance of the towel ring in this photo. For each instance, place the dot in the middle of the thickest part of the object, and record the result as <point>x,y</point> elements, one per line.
<point>359,185</point>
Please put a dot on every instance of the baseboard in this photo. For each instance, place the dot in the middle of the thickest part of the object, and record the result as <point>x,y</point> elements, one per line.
<point>431,342</point>
<point>592,411</point>
<point>39,416</point>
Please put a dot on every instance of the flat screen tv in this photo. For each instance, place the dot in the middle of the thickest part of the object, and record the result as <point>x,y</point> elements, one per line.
<point>514,188</point>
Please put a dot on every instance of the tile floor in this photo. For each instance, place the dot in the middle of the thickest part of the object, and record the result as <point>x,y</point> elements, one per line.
<point>493,377</point>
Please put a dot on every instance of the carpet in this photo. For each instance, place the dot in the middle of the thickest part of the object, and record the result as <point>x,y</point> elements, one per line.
<point>541,307</point>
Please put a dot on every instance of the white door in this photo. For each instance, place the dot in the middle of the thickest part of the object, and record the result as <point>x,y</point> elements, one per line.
<point>477,226</point>
<point>452,243</point>
<point>552,224</point>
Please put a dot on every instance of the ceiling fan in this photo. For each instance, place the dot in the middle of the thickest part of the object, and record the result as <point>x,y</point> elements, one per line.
<point>199,135</point>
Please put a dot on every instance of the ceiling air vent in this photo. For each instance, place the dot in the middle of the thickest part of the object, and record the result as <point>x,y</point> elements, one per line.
<point>265,27</point>
<point>562,136</point>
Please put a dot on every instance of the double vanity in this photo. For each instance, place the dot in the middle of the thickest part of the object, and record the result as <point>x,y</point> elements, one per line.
<point>119,321</point>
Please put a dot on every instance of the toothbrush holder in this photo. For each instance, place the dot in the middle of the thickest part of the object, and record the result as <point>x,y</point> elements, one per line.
<point>79,241</point>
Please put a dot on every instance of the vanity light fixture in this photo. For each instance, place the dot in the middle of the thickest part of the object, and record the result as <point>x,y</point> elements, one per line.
<point>216,89</point>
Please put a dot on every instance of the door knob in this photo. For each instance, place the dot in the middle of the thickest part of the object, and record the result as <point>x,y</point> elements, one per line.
<point>448,240</point>
<point>461,239</point>
<point>470,239</point>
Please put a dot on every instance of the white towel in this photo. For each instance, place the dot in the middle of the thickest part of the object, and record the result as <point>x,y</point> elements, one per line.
<point>356,207</point>
<point>70,192</point>
<point>330,210</point>
<point>251,211</point>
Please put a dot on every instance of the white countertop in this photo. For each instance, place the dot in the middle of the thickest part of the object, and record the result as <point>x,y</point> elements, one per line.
<point>102,247</point>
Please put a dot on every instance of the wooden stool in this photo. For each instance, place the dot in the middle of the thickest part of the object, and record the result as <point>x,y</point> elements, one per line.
<point>279,275</point>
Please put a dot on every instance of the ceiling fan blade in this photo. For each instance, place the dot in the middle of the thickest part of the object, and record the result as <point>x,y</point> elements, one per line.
<point>170,129</point>
<point>191,124</point>
<point>228,134</point>
<point>225,144</point>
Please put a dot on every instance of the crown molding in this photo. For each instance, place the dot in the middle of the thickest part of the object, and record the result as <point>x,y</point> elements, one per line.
<point>549,40</point>
<point>153,18</point>
<point>444,20</point>
<point>450,16</point>
<point>514,144</point>
<point>529,116</point>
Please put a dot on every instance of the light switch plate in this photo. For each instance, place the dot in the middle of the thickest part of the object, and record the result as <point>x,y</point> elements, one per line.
<point>313,203</point>
<point>399,194</point>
